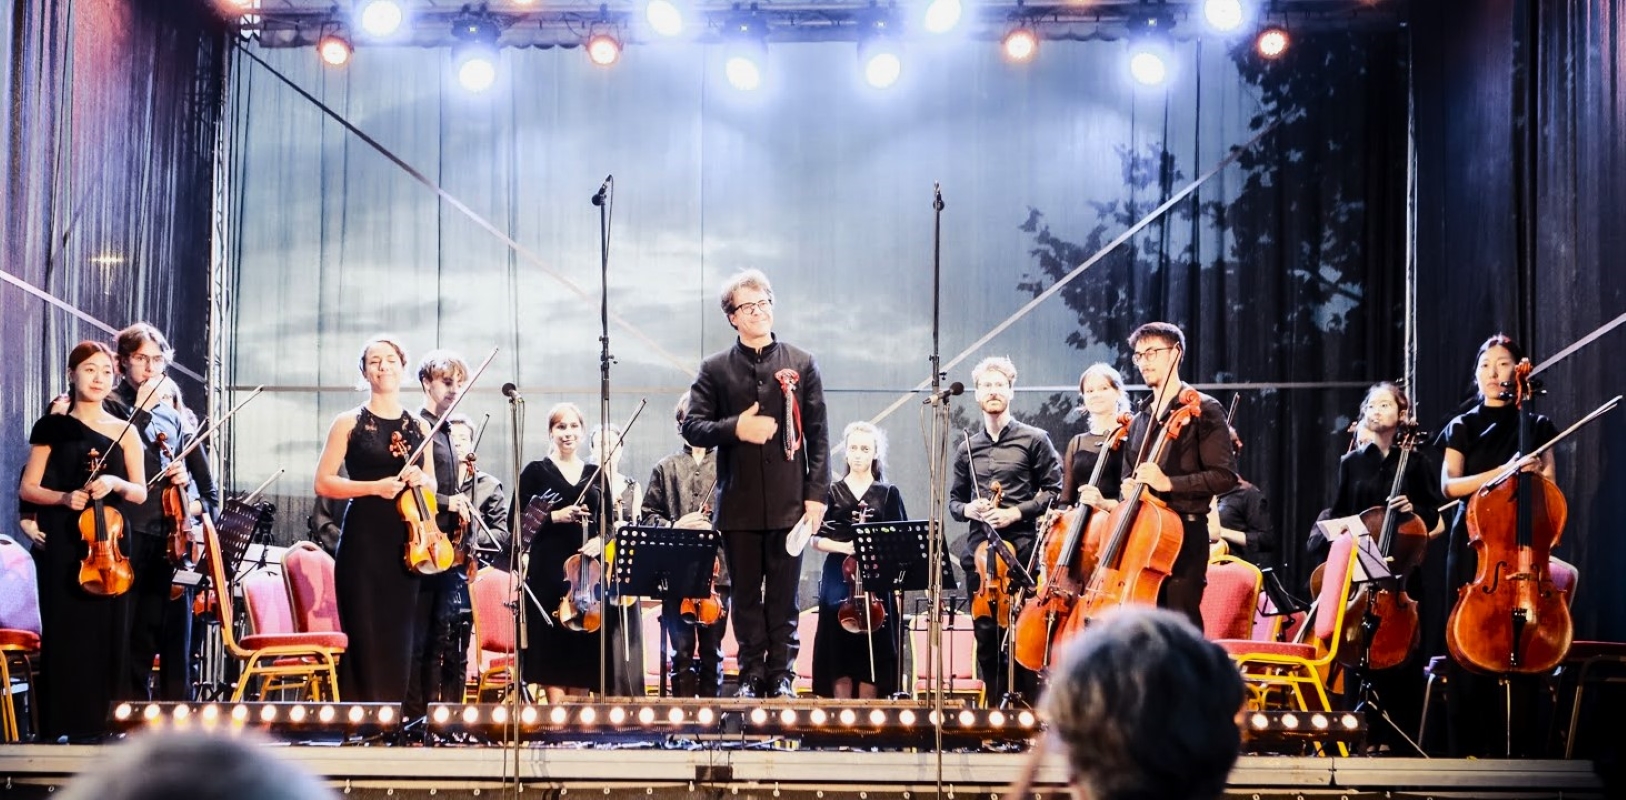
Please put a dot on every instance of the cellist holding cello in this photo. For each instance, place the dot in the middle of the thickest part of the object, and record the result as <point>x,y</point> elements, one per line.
<point>1480,444</point>
<point>1020,458</point>
<point>1196,466</point>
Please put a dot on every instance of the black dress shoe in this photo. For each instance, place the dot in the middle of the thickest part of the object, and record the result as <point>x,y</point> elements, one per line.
<point>782,687</point>
<point>750,688</point>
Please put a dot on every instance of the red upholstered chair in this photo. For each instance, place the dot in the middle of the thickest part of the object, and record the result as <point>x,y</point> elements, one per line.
<point>19,628</point>
<point>1590,662</point>
<point>308,572</point>
<point>492,645</point>
<point>959,644</point>
<point>1231,598</point>
<point>274,653</point>
<point>807,626</point>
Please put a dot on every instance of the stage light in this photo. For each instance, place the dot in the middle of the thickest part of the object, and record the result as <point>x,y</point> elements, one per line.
<point>1223,15</point>
<point>675,716</point>
<point>1290,721</point>
<point>883,64</point>
<point>942,15</point>
<point>996,718</point>
<point>603,48</point>
<point>296,714</point>
<point>499,715</point>
<point>356,715</point>
<point>151,712</point>
<point>906,717</point>
<point>848,717</point>
<point>818,716</point>
<point>646,716</point>
<point>326,714</point>
<point>1027,719</point>
<point>759,716</point>
<point>386,715</point>
<point>743,72</point>
<point>1147,67</point>
<point>441,715</point>
<point>334,49</point>
<point>268,713</point>
<point>1020,45</point>
<point>380,17</point>
<point>664,17</point>
<point>475,55</point>
<point>527,715</point>
<point>877,717</point>
<point>589,715</point>
<point>239,714</point>
<point>967,717</point>
<point>471,715</point>
<point>122,712</point>
<point>618,715</point>
<point>1272,42</point>
<point>180,713</point>
<point>747,49</point>
<point>558,715</point>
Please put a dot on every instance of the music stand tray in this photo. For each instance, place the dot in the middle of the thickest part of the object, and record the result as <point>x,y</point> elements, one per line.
<point>892,556</point>
<point>663,562</point>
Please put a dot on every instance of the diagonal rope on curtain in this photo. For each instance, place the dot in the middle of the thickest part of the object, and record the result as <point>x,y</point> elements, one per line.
<point>81,315</point>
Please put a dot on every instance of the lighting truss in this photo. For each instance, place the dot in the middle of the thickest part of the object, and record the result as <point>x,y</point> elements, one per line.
<point>276,719</point>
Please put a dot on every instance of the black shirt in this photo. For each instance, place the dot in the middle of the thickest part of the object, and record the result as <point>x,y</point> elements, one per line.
<point>1200,463</point>
<point>1024,462</point>
<point>1245,509</point>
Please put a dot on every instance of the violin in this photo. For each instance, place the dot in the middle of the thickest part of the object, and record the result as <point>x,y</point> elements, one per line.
<point>1403,541</point>
<point>177,519</point>
<point>993,597</point>
<point>862,611</point>
<point>1068,559</point>
<point>705,611</point>
<point>582,607</point>
<point>1511,618</point>
<point>428,551</point>
<point>462,537</point>
<point>105,570</point>
<point>1140,538</point>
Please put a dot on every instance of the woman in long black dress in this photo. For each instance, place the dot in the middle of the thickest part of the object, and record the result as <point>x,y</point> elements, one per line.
<point>85,644</point>
<point>381,606</point>
<point>560,659</point>
<point>1479,445</point>
<point>842,660</point>
<point>1102,389</point>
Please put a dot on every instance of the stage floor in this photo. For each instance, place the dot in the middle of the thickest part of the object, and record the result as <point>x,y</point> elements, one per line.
<point>649,771</point>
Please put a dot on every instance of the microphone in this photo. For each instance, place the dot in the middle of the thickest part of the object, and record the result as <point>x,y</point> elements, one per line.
<point>955,388</point>
<point>937,204</point>
<point>603,188</point>
<point>511,392</point>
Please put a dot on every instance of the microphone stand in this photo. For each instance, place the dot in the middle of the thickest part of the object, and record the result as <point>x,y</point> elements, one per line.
<point>937,476</point>
<point>605,201</point>
<point>516,688</point>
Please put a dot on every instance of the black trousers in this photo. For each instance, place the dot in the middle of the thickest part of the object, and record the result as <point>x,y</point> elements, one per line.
<point>443,668</point>
<point>766,579</point>
<point>1182,591</point>
<point>160,627</point>
<point>694,652</point>
<point>993,651</point>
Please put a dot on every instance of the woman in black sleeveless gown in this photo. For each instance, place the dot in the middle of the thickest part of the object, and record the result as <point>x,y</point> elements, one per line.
<point>85,644</point>
<point>847,664</point>
<point>381,607</point>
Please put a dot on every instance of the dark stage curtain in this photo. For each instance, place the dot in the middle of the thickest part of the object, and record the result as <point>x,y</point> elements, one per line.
<point>1519,232</point>
<point>107,200</point>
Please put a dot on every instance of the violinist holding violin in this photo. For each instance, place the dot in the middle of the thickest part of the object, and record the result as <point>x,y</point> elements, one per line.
<point>443,375</point>
<point>1022,461</point>
<point>855,649</point>
<point>384,608</point>
<point>484,493</point>
<point>1195,468</point>
<point>85,644</point>
<point>161,622</point>
<point>1479,445</point>
<point>680,495</point>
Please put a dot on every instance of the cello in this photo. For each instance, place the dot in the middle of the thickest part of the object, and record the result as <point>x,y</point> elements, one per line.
<point>105,569</point>
<point>1402,539</point>
<point>1065,558</point>
<point>1511,618</point>
<point>1140,538</point>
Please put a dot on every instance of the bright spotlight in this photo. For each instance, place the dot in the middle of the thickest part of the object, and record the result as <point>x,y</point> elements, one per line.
<point>603,49</point>
<point>1272,42</point>
<point>1147,67</point>
<point>475,55</point>
<point>882,62</point>
<point>334,50</point>
<point>1223,15</point>
<point>477,68</point>
<point>743,72</point>
<point>381,17</point>
<point>664,17</point>
<point>942,15</point>
<point>1020,45</point>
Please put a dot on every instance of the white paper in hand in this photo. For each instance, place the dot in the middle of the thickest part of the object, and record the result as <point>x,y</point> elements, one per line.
<point>796,540</point>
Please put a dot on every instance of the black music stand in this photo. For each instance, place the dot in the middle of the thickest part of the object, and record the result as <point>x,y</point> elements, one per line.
<point>664,563</point>
<point>894,557</point>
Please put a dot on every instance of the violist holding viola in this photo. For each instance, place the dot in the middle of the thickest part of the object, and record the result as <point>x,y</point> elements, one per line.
<point>443,376</point>
<point>85,644</point>
<point>1479,445</point>
<point>1022,460</point>
<point>383,606</point>
<point>1196,466</point>
<point>861,663</point>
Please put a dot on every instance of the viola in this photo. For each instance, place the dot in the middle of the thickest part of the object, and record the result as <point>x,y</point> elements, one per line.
<point>105,570</point>
<point>862,611</point>
<point>1511,618</point>
<point>428,551</point>
<point>177,519</point>
<point>993,597</point>
<point>1140,538</point>
<point>582,607</point>
<point>704,611</point>
<point>1403,541</point>
<point>1068,560</point>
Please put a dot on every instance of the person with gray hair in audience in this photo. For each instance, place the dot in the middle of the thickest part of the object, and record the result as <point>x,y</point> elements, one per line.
<point>199,765</point>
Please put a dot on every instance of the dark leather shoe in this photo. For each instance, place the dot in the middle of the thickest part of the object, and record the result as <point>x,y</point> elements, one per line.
<point>750,688</point>
<point>782,687</point>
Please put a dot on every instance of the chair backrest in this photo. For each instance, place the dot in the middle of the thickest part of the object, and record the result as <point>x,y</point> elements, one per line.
<point>265,595</point>
<point>1230,598</point>
<point>489,595</point>
<point>19,588</point>
<point>224,609</point>
<point>312,593</point>
<point>1330,604</point>
<point>959,649</point>
<point>1565,576</point>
